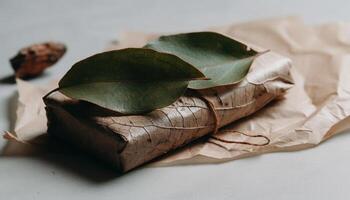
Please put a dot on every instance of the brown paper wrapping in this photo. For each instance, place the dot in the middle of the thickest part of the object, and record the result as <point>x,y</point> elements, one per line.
<point>316,108</point>
<point>129,141</point>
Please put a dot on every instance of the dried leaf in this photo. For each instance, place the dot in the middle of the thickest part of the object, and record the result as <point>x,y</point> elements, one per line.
<point>130,80</point>
<point>223,60</point>
<point>33,60</point>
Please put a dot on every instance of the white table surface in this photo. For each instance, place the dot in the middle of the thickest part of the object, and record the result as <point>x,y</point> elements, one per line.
<point>86,27</point>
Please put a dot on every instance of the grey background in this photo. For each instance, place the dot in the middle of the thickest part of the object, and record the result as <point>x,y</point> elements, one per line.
<point>87,26</point>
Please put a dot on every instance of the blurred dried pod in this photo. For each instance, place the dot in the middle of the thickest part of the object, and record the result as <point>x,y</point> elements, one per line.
<point>31,61</point>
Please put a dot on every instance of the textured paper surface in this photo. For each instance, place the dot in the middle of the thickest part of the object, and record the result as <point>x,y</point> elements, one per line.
<point>316,108</point>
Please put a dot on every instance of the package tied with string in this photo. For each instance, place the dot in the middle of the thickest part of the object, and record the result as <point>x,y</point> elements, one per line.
<point>128,141</point>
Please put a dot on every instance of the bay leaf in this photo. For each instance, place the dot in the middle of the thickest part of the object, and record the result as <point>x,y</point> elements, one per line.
<point>129,81</point>
<point>223,60</point>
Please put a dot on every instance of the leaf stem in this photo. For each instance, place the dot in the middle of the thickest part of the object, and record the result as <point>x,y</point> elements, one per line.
<point>52,91</point>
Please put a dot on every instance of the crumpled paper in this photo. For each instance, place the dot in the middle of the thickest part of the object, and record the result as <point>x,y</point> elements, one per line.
<point>31,121</point>
<point>316,108</point>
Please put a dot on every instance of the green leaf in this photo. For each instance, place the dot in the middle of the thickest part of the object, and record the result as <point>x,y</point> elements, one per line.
<point>130,80</point>
<point>223,60</point>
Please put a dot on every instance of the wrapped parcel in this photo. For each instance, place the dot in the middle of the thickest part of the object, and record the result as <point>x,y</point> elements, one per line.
<point>127,141</point>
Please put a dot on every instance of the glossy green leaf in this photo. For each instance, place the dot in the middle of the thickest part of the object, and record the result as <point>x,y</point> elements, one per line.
<point>223,60</point>
<point>130,80</point>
